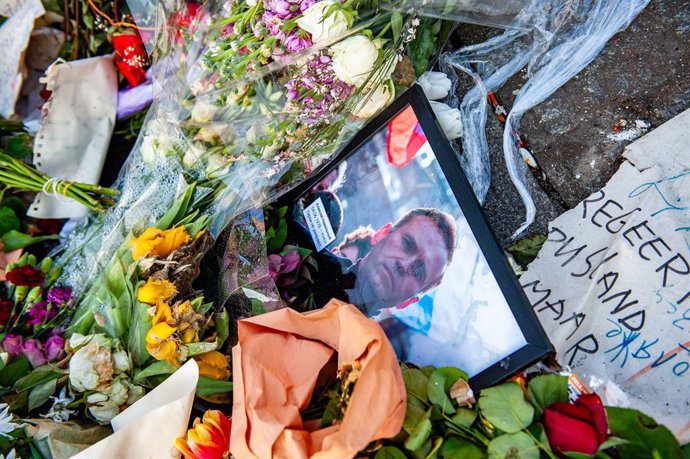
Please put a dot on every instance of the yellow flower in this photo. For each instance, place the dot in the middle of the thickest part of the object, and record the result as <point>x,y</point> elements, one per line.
<point>166,350</point>
<point>155,290</point>
<point>159,332</point>
<point>158,243</point>
<point>214,365</point>
<point>163,313</point>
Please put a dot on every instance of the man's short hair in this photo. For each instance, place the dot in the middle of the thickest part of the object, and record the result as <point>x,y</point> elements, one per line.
<point>443,221</point>
<point>360,238</point>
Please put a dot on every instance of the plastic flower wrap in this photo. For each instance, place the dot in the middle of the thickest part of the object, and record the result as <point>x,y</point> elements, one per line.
<point>252,98</point>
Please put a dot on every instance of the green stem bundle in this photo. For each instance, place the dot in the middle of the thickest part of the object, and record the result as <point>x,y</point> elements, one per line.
<point>17,174</point>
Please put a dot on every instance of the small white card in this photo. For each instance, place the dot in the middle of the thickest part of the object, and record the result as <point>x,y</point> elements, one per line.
<point>319,225</point>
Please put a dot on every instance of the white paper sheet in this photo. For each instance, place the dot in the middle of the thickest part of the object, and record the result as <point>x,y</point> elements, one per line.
<point>75,133</point>
<point>148,428</point>
<point>14,38</point>
<point>611,286</point>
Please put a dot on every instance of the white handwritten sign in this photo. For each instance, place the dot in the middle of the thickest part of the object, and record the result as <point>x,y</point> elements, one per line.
<point>73,139</point>
<point>14,38</point>
<point>611,286</point>
<point>319,224</point>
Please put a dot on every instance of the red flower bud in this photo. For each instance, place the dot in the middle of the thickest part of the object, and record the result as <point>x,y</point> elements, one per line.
<point>130,57</point>
<point>26,275</point>
<point>579,427</point>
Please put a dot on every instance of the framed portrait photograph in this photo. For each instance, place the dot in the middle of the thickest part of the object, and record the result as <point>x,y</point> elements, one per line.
<point>393,227</point>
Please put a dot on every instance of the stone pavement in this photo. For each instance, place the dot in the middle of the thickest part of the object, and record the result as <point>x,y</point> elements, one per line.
<point>642,75</point>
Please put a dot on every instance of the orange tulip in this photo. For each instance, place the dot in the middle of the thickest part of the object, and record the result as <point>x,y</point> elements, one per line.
<point>208,439</point>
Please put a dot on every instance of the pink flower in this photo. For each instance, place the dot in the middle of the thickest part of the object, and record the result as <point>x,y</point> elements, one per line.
<point>33,351</point>
<point>55,348</point>
<point>59,295</point>
<point>41,312</point>
<point>295,42</point>
<point>12,344</point>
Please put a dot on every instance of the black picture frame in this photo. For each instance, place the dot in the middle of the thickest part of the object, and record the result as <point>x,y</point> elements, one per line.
<point>537,343</point>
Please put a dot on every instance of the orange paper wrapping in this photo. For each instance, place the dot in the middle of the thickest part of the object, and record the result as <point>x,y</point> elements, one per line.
<point>276,364</point>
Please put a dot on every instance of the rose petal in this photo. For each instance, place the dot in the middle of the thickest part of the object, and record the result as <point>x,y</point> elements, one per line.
<point>593,403</point>
<point>291,262</point>
<point>569,434</point>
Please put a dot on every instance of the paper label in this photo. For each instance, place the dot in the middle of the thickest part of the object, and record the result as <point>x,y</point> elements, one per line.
<point>319,225</point>
<point>611,286</point>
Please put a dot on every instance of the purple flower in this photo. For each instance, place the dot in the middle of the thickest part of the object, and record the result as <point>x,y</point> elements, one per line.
<point>295,42</point>
<point>59,295</point>
<point>274,23</point>
<point>12,344</point>
<point>55,348</point>
<point>41,312</point>
<point>33,351</point>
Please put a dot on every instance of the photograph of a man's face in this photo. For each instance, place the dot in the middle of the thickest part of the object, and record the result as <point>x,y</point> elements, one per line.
<point>390,238</point>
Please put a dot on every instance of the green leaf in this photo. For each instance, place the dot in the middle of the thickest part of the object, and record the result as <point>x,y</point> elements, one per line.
<point>200,348</point>
<point>575,455</point>
<point>177,211</point>
<point>209,386</point>
<point>612,442</point>
<point>513,446</point>
<point>464,417</point>
<point>222,327</point>
<point>456,448</point>
<point>13,240</point>
<point>422,47</point>
<point>16,204</point>
<point>545,390</point>
<point>396,23</point>
<point>390,452</point>
<point>440,382</point>
<point>40,393</point>
<point>20,146</point>
<point>538,432</point>
<point>136,336</point>
<point>13,372</point>
<point>413,416</point>
<point>526,250</point>
<point>416,383</point>
<point>645,436</point>
<point>419,435</point>
<point>160,367</point>
<point>506,408</point>
<point>36,377</point>
<point>277,241</point>
<point>8,220</point>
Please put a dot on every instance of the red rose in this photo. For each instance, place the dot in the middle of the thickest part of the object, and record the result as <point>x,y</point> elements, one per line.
<point>5,311</point>
<point>579,427</point>
<point>25,276</point>
<point>130,57</point>
<point>50,225</point>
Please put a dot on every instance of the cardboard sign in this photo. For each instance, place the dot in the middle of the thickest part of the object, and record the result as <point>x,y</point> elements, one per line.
<point>611,286</point>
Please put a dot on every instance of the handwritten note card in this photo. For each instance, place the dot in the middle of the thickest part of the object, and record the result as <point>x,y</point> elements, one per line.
<point>14,38</point>
<point>73,139</point>
<point>611,286</point>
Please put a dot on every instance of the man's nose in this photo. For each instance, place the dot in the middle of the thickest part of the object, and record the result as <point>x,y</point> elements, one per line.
<point>405,267</point>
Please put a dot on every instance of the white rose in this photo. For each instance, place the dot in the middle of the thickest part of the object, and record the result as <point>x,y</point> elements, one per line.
<point>192,155</point>
<point>102,408</point>
<point>118,392</point>
<point>121,362</point>
<point>323,28</point>
<point>217,166</point>
<point>436,85</point>
<point>211,132</point>
<point>449,118</point>
<point>135,393</point>
<point>84,367</point>
<point>376,100</point>
<point>354,59</point>
<point>203,111</point>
